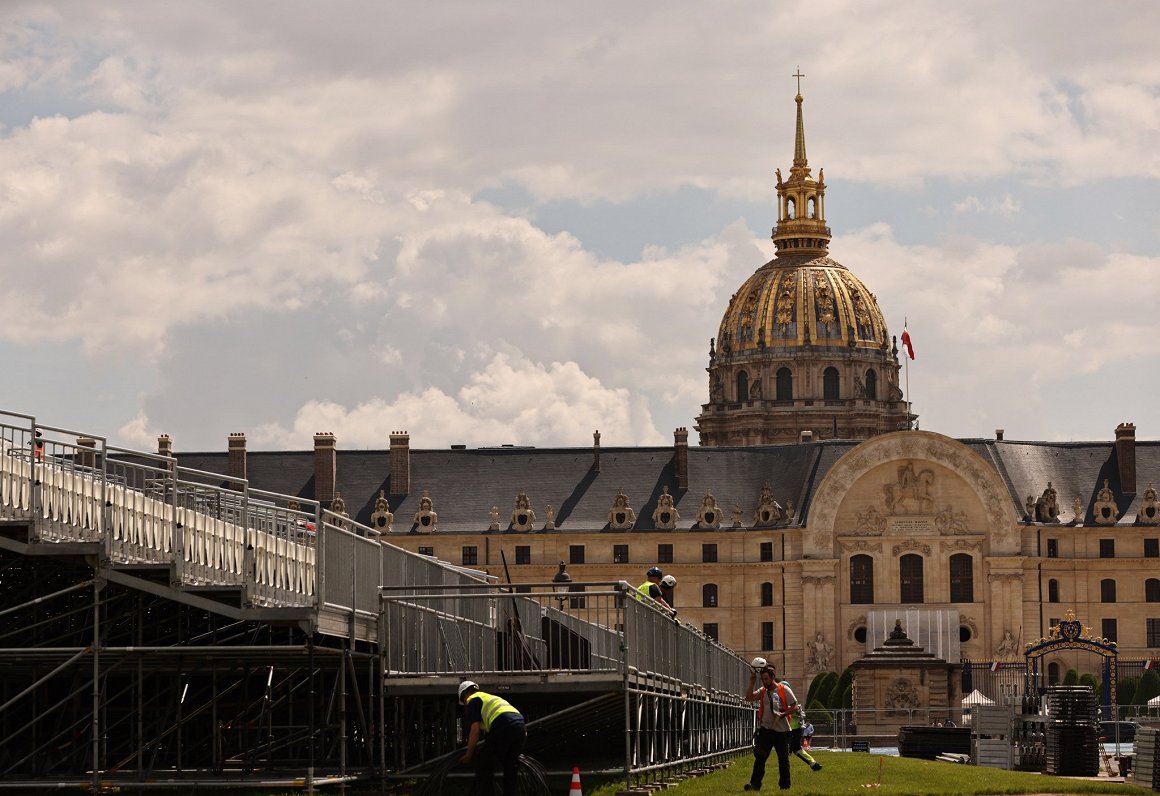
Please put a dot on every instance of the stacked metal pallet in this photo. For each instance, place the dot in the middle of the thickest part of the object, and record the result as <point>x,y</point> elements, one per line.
<point>1146,765</point>
<point>1073,732</point>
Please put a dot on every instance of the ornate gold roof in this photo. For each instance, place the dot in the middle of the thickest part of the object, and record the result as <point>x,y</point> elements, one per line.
<point>797,300</point>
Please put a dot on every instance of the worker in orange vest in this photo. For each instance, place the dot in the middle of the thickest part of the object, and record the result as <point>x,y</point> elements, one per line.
<point>776,704</point>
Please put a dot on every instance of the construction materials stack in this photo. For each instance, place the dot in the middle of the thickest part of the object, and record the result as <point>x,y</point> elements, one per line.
<point>1073,732</point>
<point>1146,765</point>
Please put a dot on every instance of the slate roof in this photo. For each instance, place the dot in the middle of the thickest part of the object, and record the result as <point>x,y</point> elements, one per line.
<point>465,483</point>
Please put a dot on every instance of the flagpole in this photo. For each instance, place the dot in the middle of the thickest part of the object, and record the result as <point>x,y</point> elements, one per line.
<point>906,368</point>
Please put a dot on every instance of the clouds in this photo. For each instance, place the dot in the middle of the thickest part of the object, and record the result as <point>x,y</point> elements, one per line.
<point>271,215</point>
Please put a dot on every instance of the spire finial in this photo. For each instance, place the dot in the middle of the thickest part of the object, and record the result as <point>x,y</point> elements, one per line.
<point>798,74</point>
<point>799,148</point>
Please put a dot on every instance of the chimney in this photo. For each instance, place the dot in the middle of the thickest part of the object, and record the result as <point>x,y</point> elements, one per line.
<point>87,456</point>
<point>596,451</point>
<point>681,456</point>
<point>1126,456</point>
<point>807,435</point>
<point>236,467</point>
<point>325,466</point>
<point>400,463</point>
<point>164,445</point>
<point>998,435</point>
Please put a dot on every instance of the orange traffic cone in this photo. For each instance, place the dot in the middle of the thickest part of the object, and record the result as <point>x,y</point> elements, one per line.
<point>575,789</point>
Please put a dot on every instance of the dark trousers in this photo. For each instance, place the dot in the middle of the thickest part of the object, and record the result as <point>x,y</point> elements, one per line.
<point>763,743</point>
<point>505,743</point>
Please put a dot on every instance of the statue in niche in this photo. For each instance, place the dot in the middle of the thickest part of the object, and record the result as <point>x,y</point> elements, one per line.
<point>790,511</point>
<point>550,518</point>
<point>755,390</point>
<point>859,387</point>
<point>821,652</point>
<point>665,515</point>
<point>621,517</point>
<point>1105,509</point>
<point>1077,512</point>
<point>709,516</point>
<point>1046,508</point>
<point>524,516</point>
<point>1008,647</point>
<point>910,494</point>
<point>1149,513</point>
<point>1029,507</point>
<point>382,517</point>
<point>738,515</point>
<point>768,510</point>
<point>425,518</point>
<point>494,519</point>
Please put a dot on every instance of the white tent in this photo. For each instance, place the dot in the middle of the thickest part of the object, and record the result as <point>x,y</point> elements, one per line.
<point>1154,702</point>
<point>976,697</point>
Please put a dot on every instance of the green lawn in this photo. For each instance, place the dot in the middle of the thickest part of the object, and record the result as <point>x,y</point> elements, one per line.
<point>847,772</point>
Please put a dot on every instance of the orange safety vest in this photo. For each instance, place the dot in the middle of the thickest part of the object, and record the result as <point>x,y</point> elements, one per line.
<point>780,698</point>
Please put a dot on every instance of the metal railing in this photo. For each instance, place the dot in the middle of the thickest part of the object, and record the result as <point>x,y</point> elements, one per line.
<point>594,628</point>
<point>210,529</point>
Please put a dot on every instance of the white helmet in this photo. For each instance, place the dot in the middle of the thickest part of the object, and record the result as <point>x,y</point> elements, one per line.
<point>669,580</point>
<point>759,663</point>
<point>466,686</point>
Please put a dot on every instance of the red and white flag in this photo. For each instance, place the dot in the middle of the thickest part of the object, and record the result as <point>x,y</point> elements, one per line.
<point>906,341</point>
<point>995,666</point>
<point>1149,665</point>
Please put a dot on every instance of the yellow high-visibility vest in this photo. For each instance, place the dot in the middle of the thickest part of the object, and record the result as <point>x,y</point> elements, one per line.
<point>492,706</point>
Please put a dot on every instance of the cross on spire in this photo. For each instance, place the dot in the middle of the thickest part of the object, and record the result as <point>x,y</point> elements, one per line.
<point>798,74</point>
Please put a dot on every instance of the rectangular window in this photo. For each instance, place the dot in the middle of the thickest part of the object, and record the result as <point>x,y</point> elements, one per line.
<point>1107,548</point>
<point>767,635</point>
<point>1152,548</point>
<point>470,555</point>
<point>1108,590</point>
<point>1053,548</point>
<point>766,555</point>
<point>664,554</point>
<point>709,553</point>
<point>1109,629</point>
<point>712,630</point>
<point>427,551</point>
<point>620,554</point>
<point>576,602</point>
<point>962,578</point>
<point>1154,633</point>
<point>523,554</point>
<point>910,578</point>
<point>575,554</point>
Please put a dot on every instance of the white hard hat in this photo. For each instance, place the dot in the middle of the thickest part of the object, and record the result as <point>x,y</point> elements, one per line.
<point>466,686</point>
<point>669,581</point>
<point>759,663</point>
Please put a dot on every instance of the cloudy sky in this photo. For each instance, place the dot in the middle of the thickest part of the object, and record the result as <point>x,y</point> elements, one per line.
<point>518,222</point>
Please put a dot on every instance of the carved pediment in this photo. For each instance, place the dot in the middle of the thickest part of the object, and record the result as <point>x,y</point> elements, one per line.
<point>911,545</point>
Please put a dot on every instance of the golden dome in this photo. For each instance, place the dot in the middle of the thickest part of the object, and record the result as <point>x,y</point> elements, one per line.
<point>798,300</point>
<point>803,351</point>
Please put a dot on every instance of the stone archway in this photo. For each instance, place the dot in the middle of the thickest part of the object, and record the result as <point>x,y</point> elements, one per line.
<point>980,478</point>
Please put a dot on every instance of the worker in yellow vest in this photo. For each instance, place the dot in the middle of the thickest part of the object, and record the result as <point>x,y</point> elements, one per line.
<point>503,725</point>
<point>652,588</point>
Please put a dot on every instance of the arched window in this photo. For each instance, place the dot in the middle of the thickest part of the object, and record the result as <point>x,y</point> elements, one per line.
<point>1053,590</point>
<point>910,578</point>
<point>742,386</point>
<point>962,578</point>
<point>862,579</point>
<point>830,384</point>
<point>1152,590</point>
<point>1108,590</point>
<point>709,595</point>
<point>790,207</point>
<point>813,207</point>
<point>871,385</point>
<point>766,594</point>
<point>784,384</point>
